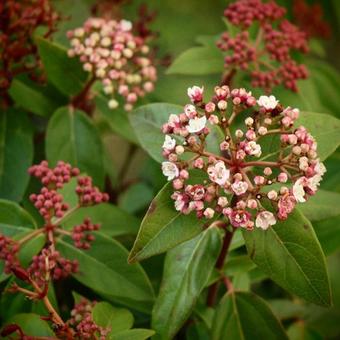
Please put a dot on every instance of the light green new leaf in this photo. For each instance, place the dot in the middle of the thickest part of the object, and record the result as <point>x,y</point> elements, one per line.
<point>198,61</point>
<point>72,137</point>
<point>324,128</point>
<point>324,204</point>
<point>64,72</point>
<point>16,153</point>
<point>163,227</point>
<point>245,316</point>
<point>104,269</point>
<point>187,269</point>
<point>133,334</point>
<point>290,254</point>
<point>147,121</point>
<point>107,316</point>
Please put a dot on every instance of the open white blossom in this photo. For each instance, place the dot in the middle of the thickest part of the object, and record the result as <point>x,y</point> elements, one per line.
<point>169,143</point>
<point>239,187</point>
<point>218,173</point>
<point>269,103</point>
<point>170,170</point>
<point>197,124</point>
<point>265,219</point>
<point>254,149</point>
<point>299,191</point>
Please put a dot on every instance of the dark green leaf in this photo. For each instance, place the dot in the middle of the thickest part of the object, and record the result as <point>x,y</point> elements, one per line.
<point>72,137</point>
<point>16,153</point>
<point>245,316</point>
<point>133,334</point>
<point>290,254</point>
<point>186,271</point>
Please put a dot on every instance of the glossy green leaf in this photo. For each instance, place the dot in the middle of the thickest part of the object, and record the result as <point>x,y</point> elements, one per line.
<point>72,137</point>
<point>244,316</point>
<point>147,121</point>
<point>328,233</point>
<point>107,316</point>
<point>64,72</point>
<point>163,227</point>
<point>113,220</point>
<point>198,61</point>
<point>133,334</point>
<point>16,153</point>
<point>290,254</point>
<point>299,331</point>
<point>324,128</point>
<point>324,204</point>
<point>186,271</point>
<point>104,268</point>
<point>32,325</point>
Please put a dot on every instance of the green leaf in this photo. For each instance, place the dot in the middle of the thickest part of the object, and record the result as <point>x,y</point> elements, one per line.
<point>324,128</point>
<point>290,254</point>
<point>324,204</point>
<point>186,271</point>
<point>64,72</point>
<point>72,137</point>
<point>104,268</point>
<point>31,324</point>
<point>133,334</point>
<point>244,316</point>
<point>328,233</point>
<point>32,98</point>
<point>163,227</point>
<point>198,61</point>
<point>117,319</point>
<point>113,220</point>
<point>299,331</point>
<point>16,153</point>
<point>147,121</point>
<point>118,119</point>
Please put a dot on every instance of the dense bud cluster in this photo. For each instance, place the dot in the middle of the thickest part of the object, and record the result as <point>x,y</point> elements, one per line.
<point>112,53</point>
<point>19,20</point>
<point>240,182</point>
<point>49,264</point>
<point>88,193</point>
<point>268,58</point>
<point>82,234</point>
<point>82,322</point>
<point>8,253</point>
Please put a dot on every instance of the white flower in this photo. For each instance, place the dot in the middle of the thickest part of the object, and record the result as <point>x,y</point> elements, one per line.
<point>298,190</point>
<point>265,219</point>
<point>320,168</point>
<point>314,182</point>
<point>303,163</point>
<point>169,143</point>
<point>173,120</point>
<point>170,170</point>
<point>189,110</point>
<point>125,25</point>
<point>196,124</point>
<point>239,187</point>
<point>269,103</point>
<point>218,173</point>
<point>253,149</point>
<point>195,93</point>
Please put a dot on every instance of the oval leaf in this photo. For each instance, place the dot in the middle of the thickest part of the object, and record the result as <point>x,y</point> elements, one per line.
<point>16,154</point>
<point>147,121</point>
<point>187,269</point>
<point>73,138</point>
<point>245,316</point>
<point>290,254</point>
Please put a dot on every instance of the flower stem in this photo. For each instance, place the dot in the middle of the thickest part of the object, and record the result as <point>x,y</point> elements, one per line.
<point>30,236</point>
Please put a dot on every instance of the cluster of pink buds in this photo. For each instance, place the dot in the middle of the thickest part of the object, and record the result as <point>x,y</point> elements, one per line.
<point>82,322</point>
<point>49,264</point>
<point>267,58</point>
<point>82,234</point>
<point>8,253</point>
<point>112,53</point>
<point>241,182</point>
<point>88,193</point>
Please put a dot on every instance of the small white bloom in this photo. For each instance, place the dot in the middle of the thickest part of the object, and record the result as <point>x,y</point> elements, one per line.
<point>113,104</point>
<point>239,187</point>
<point>303,163</point>
<point>195,93</point>
<point>189,110</point>
<point>249,121</point>
<point>320,168</point>
<point>262,130</point>
<point>169,143</point>
<point>269,103</point>
<point>197,124</point>
<point>253,149</point>
<point>314,182</point>
<point>173,119</point>
<point>218,173</point>
<point>126,25</point>
<point>298,190</point>
<point>209,213</point>
<point>222,201</point>
<point>272,195</point>
<point>264,220</point>
<point>170,170</point>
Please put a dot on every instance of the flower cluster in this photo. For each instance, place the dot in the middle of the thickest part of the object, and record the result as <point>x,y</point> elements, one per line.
<point>112,53</point>
<point>8,253</point>
<point>268,58</point>
<point>82,234</point>
<point>242,182</point>
<point>82,322</point>
<point>19,20</point>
